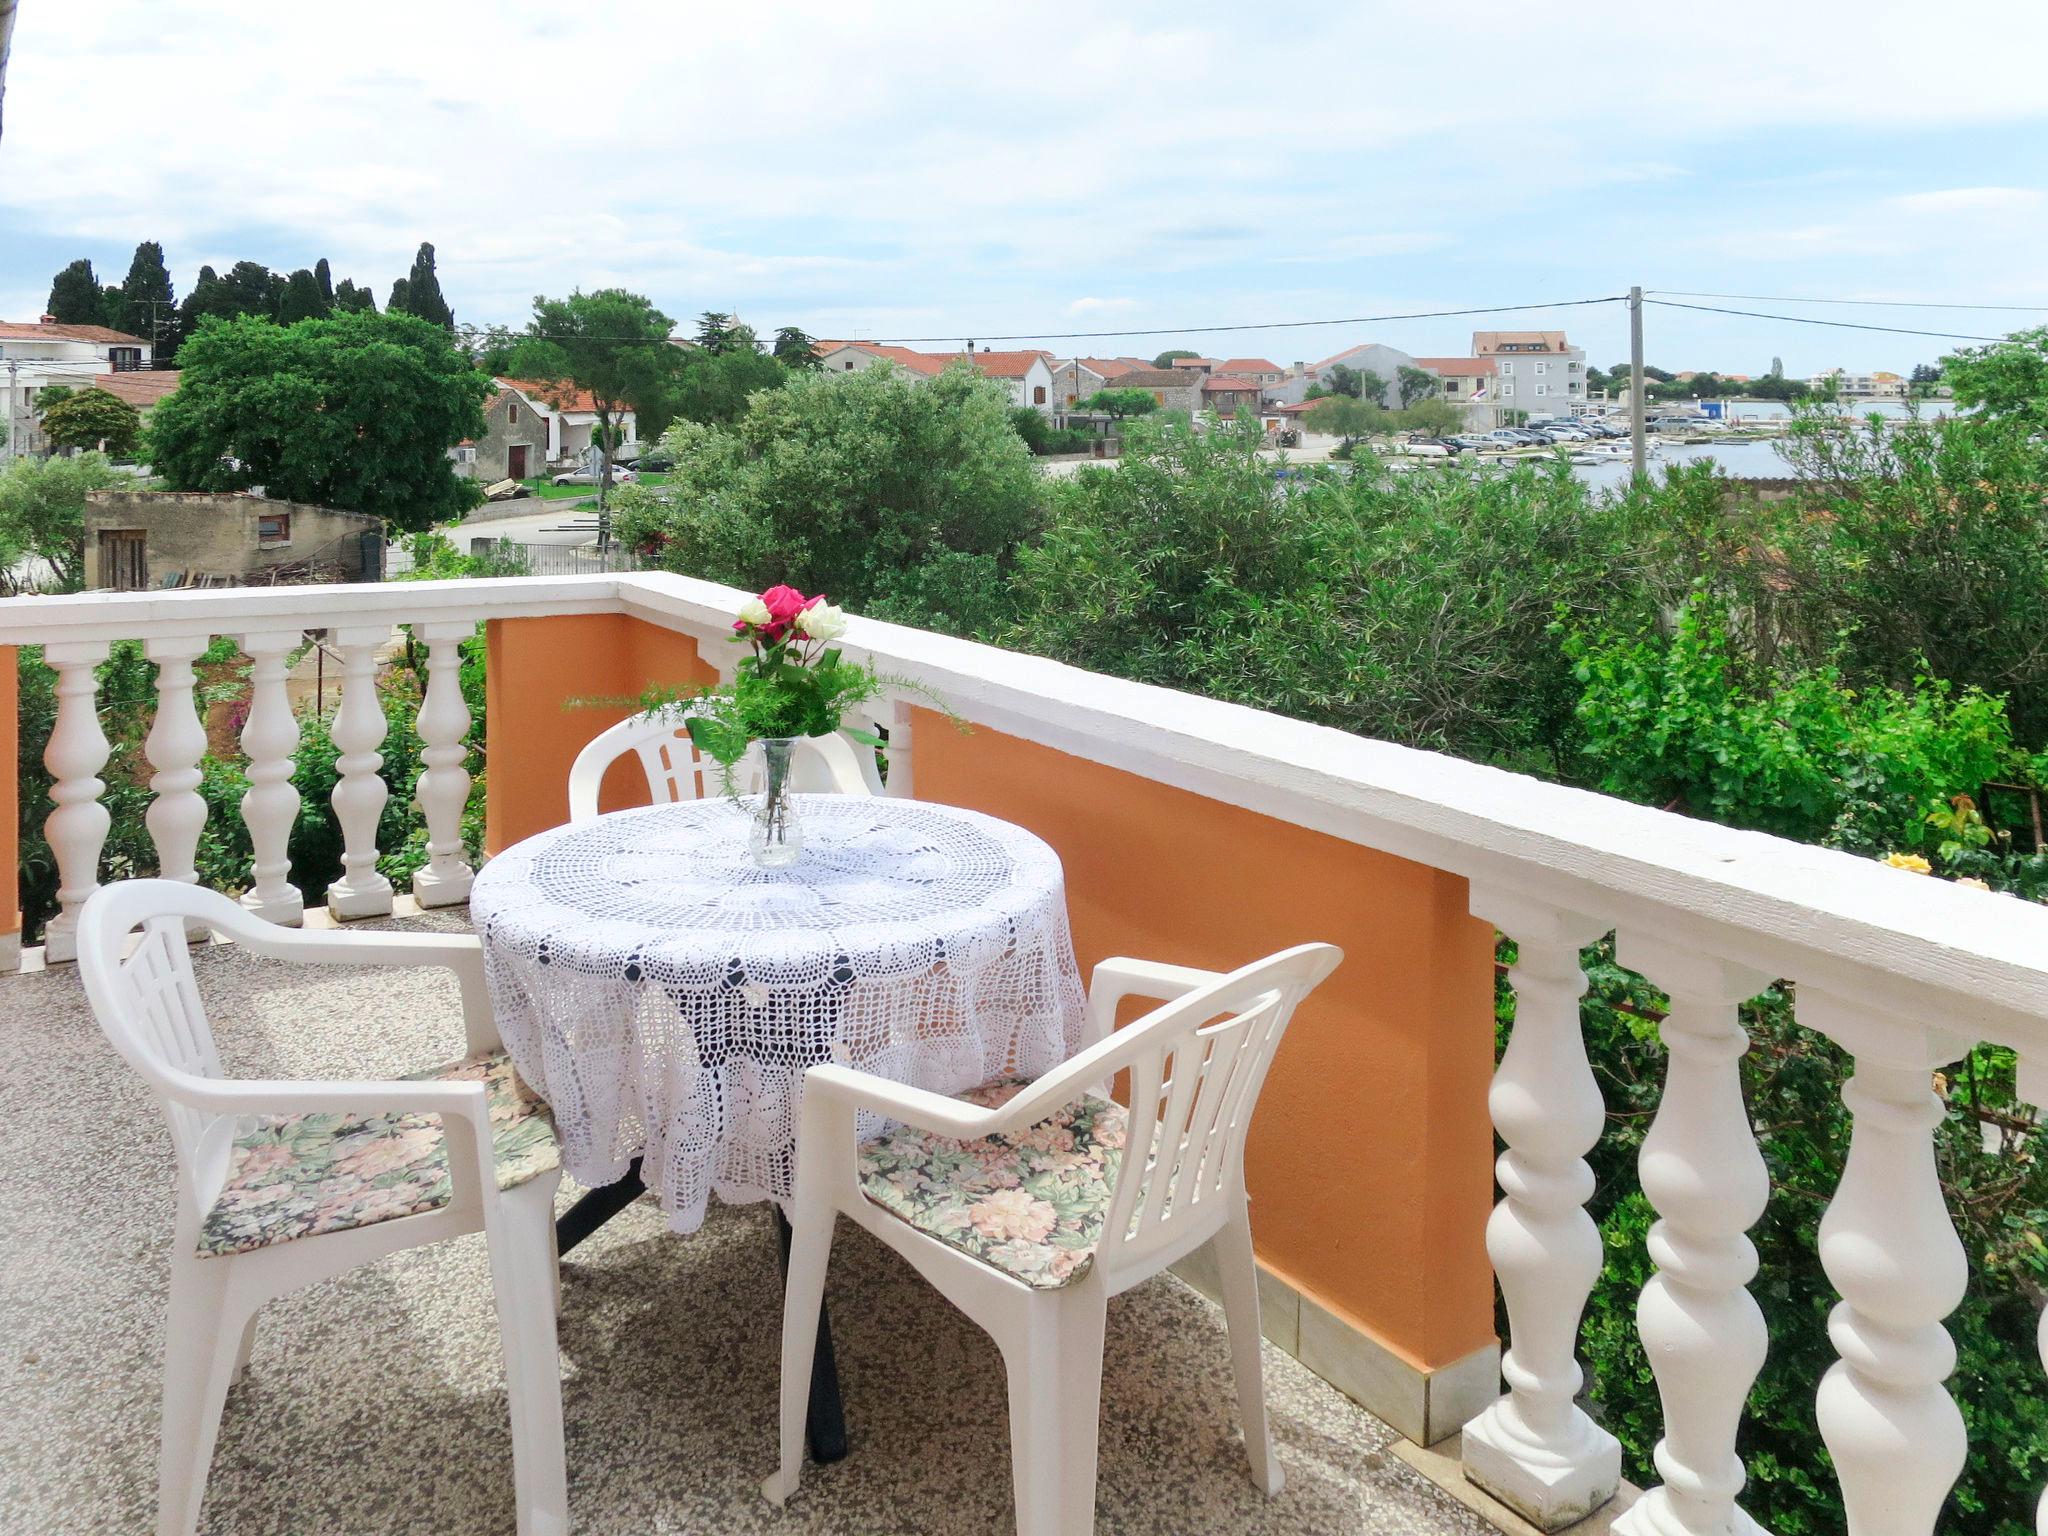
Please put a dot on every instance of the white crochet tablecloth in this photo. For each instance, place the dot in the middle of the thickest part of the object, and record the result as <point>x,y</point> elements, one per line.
<point>665,995</point>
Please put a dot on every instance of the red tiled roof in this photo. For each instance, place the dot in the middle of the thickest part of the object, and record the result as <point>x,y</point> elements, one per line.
<point>1459,367</point>
<point>998,365</point>
<point>18,330</point>
<point>1107,367</point>
<point>917,362</point>
<point>556,397</point>
<point>1218,384</point>
<point>141,388</point>
<point>1247,365</point>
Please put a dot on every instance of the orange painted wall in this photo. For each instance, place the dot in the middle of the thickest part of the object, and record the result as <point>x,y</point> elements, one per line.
<point>10,791</point>
<point>1370,1161</point>
<point>534,668</point>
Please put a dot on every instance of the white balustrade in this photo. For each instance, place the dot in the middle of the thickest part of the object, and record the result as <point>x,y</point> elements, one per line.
<point>359,794</point>
<point>443,789</point>
<point>1889,1247</point>
<point>174,746</point>
<point>1535,1449</point>
<point>270,806</point>
<point>77,827</point>
<point>1700,1167</point>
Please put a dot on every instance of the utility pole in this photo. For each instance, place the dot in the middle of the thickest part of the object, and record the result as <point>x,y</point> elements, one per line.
<point>1638,449</point>
<point>13,404</point>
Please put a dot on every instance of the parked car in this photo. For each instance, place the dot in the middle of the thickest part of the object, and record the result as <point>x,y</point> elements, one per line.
<point>655,461</point>
<point>1508,437</point>
<point>1450,445</point>
<point>1474,441</point>
<point>620,476</point>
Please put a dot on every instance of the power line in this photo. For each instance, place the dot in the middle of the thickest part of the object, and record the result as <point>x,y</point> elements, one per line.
<point>480,332</point>
<point>1270,325</point>
<point>1839,325</point>
<point>1779,298</point>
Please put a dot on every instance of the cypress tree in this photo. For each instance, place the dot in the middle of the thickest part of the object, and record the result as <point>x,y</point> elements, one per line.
<point>348,298</point>
<point>400,302</point>
<point>422,289</point>
<point>325,278</point>
<point>300,299</point>
<point>147,308</point>
<point>75,296</point>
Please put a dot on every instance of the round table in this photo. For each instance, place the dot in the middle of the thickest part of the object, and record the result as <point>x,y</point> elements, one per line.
<point>664,995</point>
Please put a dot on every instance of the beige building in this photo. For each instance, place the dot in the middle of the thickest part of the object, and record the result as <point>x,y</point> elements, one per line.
<point>140,540</point>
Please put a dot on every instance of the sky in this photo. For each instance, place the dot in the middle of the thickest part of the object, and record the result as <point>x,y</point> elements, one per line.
<point>901,170</point>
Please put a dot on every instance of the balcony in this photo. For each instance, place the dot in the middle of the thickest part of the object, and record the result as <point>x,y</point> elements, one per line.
<point>1371,1166</point>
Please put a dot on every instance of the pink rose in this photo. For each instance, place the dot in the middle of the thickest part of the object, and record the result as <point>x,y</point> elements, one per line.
<point>785,603</point>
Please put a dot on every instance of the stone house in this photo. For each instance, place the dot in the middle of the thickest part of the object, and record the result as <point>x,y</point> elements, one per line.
<point>1174,389</point>
<point>1079,377</point>
<point>139,540</point>
<point>515,441</point>
<point>1227,396</point>
<point>569,416</point>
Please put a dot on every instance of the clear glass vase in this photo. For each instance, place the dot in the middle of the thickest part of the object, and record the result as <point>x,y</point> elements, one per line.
<point>777,834</point>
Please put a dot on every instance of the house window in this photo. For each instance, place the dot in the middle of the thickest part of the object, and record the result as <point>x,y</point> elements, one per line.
<point>1038,394</point>
<point>273,528</point>
<point>1507,390</point>
<point>511,412</point>
<point>847,365</point>
<point>1506,369</point>
<point>1542,368</point>
<point>1542,389</point>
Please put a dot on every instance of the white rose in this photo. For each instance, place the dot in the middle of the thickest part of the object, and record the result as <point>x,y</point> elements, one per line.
<point>822,621</point>
<point>754,611</point>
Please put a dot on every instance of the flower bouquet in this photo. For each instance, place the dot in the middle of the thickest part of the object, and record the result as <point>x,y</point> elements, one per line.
<point>794,684</point>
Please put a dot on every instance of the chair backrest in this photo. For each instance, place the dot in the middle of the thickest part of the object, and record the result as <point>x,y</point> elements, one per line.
<point>1196,1067</point>
<point>677,771</point>
<point>146,1000</point>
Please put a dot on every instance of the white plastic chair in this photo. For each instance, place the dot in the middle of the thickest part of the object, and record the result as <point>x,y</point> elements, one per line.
<point>1196,1065</point>
<point>148,1004</point>
<point>677,771</point>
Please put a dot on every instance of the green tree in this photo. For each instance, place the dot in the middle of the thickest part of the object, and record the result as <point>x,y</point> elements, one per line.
<point>1341,415</point>
<point>2006,378</point>
<point>612,343</point>
<point>248,288</point>
<point>712,387</point>
<point>1344,379</point>
<point>1437,418</point>
<point>1168,358</point>
<point>350,300</point>
<point>323,278</point>
<point>419,291</point>
<point>354,411</point>
<point>1120,403</point>
<point>42,512</point>
<point>902,497</point>
<point>93,418</point>
<point>795,349</point>
<point>75,296</point>
<point>147,308</point>
<point>52,394</point>
<point>1414,384</point>
<point>301,299</point>
<point>719,333</point>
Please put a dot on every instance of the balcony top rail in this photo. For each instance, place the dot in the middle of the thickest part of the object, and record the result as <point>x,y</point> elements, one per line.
<point>1920,948</point>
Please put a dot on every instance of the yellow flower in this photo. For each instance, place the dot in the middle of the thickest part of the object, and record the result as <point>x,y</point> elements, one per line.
<point>1911,861</point>
<point>1975,884</point>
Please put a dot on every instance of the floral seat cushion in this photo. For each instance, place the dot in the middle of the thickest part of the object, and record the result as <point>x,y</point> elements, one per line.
<point>1032,1205</point>
<point>301,1175</point>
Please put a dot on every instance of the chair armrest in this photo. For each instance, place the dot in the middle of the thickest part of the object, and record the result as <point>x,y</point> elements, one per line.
<point>1116,979</point>
<point>462,953</point>
<point>898,1101</point>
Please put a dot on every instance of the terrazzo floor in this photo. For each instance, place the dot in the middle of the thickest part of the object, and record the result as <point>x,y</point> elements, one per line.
<point>375,1404</point>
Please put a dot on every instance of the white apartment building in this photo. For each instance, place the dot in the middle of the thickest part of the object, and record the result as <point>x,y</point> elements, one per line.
<point>1860,386</point>
<point>1535,371</point>
<point>35,355</point>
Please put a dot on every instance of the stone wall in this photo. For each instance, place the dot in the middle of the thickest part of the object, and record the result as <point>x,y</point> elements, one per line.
<point>188,535</point>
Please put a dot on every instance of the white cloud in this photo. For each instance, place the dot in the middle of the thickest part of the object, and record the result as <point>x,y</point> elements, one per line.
<point>1975,200</point>
<point>1082,307</point>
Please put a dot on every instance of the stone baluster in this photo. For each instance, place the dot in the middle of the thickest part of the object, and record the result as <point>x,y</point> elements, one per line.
<point>1701,1169</point>
<point>898,717</point>
<point>443,789</point>
<point>359,794</point>
<point>77,826</point>
<point>1889,1247</point>
<point>174,746</point>
<point>1535,1449</point>
<point>270,806</point>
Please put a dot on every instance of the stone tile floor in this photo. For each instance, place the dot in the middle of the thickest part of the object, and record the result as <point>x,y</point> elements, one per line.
<point>375,1404</point>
